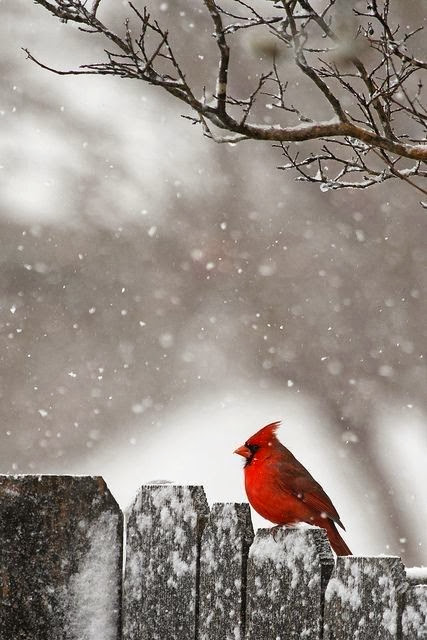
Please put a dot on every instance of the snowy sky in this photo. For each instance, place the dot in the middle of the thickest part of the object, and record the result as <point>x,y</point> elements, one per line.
<point>162,298</point>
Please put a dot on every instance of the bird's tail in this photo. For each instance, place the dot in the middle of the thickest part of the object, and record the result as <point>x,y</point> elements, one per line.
<point>337,543</point>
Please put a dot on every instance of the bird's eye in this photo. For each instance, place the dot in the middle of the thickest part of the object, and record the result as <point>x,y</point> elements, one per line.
<point>253,448</point>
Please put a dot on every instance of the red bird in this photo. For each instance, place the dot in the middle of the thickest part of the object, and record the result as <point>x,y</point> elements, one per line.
<point>281,490</point>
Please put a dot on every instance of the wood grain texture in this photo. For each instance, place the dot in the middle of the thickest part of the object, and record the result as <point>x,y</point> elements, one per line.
<point>164,529</point>
<point>364,599</point>
<point>60,559</point>
<point>287,574</point>
<point>224,552</point>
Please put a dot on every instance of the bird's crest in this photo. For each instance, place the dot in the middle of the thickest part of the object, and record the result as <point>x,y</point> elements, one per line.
<point>264,435</point>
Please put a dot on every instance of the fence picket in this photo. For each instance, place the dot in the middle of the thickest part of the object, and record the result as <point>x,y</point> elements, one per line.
<point>287,575</point>
<point>364,599</point>
<point>414,617</point>
<point>224,550</point>
<point>60,559</point>
<point>162,562</point>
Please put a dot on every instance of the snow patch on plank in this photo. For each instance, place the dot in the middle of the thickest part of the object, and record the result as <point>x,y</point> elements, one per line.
<point>91,598</point>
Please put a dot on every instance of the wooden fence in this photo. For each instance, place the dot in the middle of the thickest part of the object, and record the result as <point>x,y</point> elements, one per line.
<point>190,573</point>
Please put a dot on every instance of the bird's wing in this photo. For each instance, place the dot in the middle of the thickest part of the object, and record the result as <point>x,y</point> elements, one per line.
<point>295,479</point>
<point>321,502</point>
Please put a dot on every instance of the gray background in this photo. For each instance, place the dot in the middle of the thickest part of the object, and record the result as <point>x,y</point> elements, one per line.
<point>162,297</point>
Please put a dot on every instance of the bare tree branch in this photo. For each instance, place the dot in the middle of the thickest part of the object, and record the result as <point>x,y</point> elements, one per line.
<point>224,57</point>
<point>384,126</point>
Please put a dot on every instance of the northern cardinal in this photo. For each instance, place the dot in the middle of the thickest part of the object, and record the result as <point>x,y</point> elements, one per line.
<point>281,490</point>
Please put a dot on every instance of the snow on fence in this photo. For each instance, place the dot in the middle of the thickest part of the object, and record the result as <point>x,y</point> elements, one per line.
<point>190,573</point>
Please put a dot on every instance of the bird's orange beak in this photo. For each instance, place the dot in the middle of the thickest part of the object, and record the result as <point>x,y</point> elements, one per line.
<point>243,451</point>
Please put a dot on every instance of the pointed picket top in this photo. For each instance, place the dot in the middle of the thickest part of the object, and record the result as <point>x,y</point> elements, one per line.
<point>61,558</point>
<point>165,523</point>
<point>223,560</point>
<point>364,598</point>
<point>287,566</point>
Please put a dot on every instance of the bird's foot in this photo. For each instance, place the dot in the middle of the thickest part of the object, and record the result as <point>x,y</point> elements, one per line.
<point>289,525</point>
<point>274,531</point>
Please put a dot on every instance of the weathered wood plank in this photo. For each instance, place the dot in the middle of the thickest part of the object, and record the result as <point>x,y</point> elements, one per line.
<point>165,524</point>
<point>414,617</point>
<point>60,559</point>
<point>223,560</point>
<point>364,599</point>
<point>287,576</point>
<point>416,575</point>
